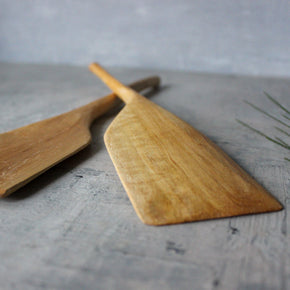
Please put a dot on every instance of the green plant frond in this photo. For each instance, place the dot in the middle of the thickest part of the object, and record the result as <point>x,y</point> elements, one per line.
<point>264,135</point>
<point>276,140</point>
<point>276,102</point>
<point>267,114</point>
<point>281,141</point>
<point>282,131</point>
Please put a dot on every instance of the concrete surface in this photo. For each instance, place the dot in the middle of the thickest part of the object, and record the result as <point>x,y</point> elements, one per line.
<point>74,227</point>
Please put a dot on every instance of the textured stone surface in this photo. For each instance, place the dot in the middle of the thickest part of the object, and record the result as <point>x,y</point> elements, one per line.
<point>74,227</point>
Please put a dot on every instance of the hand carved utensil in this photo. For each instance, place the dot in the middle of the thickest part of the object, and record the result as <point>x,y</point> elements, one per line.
<point>28,151</point>
<point>171,172</point>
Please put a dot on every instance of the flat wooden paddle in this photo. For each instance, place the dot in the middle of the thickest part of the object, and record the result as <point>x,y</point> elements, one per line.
<point>30,150</point>
<point>171,172</point>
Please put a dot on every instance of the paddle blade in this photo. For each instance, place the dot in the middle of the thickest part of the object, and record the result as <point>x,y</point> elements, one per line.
<point>174,174</point>
<point>29,151</point>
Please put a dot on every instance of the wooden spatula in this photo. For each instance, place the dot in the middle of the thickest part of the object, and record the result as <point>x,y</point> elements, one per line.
<point>171,172</point>
<point>30,150</point>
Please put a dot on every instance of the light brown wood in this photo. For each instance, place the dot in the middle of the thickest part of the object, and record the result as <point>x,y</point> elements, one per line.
<point>171,172</point>
<point>28,151</point>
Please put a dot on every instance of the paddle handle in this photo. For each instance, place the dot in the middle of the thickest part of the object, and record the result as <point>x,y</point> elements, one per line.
<point>96,108</point>
<point>125,93</point>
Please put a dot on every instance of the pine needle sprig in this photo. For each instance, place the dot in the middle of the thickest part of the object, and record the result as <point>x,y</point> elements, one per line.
<point>277,103</point>
<point>282,131</point>
<point>276,140</point>
<point>267,114</point>
<point>285,145</point>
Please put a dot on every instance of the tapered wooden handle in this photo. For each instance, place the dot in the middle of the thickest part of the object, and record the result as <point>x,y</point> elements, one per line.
<point>125,93</point>
<point>96,108</point>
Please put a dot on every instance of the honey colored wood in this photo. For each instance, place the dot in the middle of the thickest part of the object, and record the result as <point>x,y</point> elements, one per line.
<point>28,151</point>
<point>171,172</point>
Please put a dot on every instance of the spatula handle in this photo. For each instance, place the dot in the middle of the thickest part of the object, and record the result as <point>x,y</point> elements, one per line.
<point>96,108</point>
<point>125,93</point>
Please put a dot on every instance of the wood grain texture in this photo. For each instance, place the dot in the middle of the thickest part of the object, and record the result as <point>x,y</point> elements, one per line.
<point>73,227</point>
<point>171,172</point>
<point>27,152</point>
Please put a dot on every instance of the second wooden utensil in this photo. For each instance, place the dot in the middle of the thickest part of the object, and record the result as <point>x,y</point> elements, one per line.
<point>171,172</point>
<point>28,151</point>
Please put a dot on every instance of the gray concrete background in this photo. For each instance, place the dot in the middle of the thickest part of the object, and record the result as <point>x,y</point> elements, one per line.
<point>241,37</point>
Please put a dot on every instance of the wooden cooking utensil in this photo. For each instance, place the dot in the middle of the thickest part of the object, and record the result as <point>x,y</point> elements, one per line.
<point>28,151</point>
<point>171,172</point>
